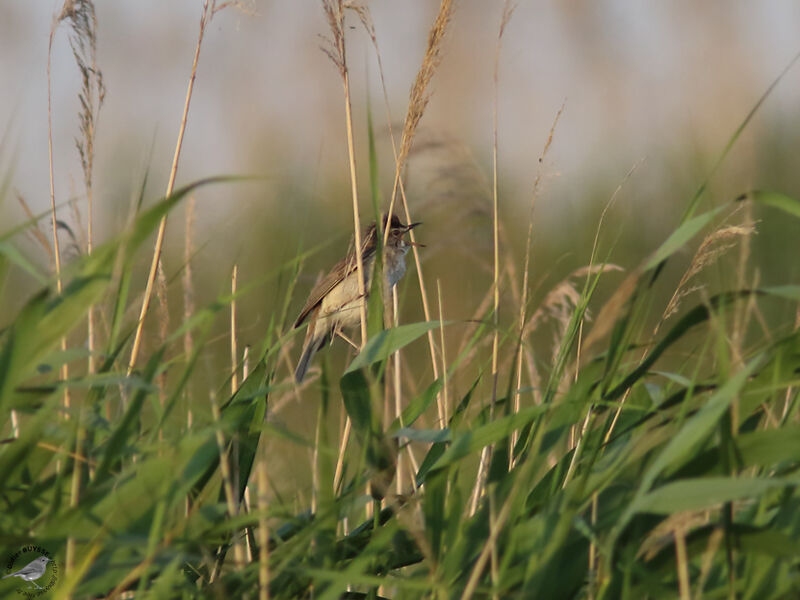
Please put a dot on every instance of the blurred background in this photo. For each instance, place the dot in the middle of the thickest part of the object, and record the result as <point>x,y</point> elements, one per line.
<point>650,95</point>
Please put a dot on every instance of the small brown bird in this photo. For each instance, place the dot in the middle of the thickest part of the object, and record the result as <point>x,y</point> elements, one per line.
<point>333,304</point>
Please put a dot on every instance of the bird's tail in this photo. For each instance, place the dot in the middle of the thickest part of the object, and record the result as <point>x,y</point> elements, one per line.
<point>313,343</point>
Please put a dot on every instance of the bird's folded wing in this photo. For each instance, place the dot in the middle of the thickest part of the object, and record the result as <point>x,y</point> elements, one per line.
<point>339,272</point>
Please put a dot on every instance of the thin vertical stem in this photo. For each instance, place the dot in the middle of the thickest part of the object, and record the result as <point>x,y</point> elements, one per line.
<point>593,551</point>
<point>416,107</point>
<point>523,306</point>
<point>398,408</point>
<point>208,11</point>
<point>362,306</point>
<point>53,220</point>
<point>493,567</point>
<point>188,295</point>
<point>70,547</point>
<point>263,531</point>
<point>90,328</point>
<point>247,503</point>
<point>227,480</point>
<point>444,408</point>
<point>337,477</point>
<point>508,9</point>
<point>495,224</point>
<point>682,565</point>
<point>234,349</point>
<point>334,11</point>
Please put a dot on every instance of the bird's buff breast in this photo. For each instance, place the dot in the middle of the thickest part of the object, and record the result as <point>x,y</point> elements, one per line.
<point>341,305</point>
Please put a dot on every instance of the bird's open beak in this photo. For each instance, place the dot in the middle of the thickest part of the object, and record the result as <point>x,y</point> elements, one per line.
<point>409,228</point>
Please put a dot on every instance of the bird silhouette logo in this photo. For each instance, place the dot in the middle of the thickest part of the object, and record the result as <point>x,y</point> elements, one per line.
<point>33,571</point>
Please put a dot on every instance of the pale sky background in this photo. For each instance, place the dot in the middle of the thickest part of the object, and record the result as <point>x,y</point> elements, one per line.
<point>640,81</point>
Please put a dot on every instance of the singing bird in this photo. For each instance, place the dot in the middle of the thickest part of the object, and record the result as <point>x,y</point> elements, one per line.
<point>333,304</point>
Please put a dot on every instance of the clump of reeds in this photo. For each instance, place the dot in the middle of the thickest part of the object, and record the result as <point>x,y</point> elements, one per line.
<point>681,488</point>
<point>80,16</point>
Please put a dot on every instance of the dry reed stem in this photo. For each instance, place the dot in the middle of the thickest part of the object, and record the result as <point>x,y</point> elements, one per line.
<point>682,566</point>
<point>480,563</point>
<point>207,14</point>
<point>486,452</point>
<point>508,9</point>
<point>574,459</point>
<point>54,221</point>
<point>84,48</point>
<point>523,305</point>
<point>593,550</point>
<point>445,417</point>
<point>163,333</point>
<point>336,51</point>
<point>592,258</point>
<point>188,285</point>
<point>263,531</point>
<point>247,503</point>
<point>73,455</point>
<point>337,477</point>
<point>366,20</point>
<point>418,100</point>
<point>234,348</point>
<point>579,344</point>
<point>70,546</point>
<point>248,531</point>
<point>227,480</point>
<point>742,314</point>
<point>413,465</point>
<point>608,314</point>
<point>707,561</point>
<point>477,490</point>
<point>398,404</point>
<point>54,224</point>
<point>431,59</point>
<point>315,487</point>
<point>188,293</point>
<point>493,568</point>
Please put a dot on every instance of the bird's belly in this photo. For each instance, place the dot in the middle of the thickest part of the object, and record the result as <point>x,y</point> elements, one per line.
<point>340,307</point>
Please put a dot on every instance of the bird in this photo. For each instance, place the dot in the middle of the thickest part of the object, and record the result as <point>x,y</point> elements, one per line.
<point>333,304</point>
<point>32,571</point>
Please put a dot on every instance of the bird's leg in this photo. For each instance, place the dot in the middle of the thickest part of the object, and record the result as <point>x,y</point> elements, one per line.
<point>347,339</point>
